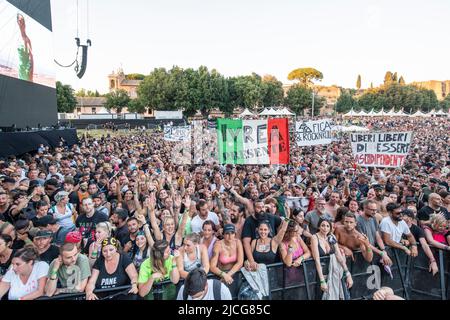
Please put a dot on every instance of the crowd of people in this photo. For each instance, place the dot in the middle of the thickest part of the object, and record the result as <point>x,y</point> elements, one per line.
<point>116,212</point>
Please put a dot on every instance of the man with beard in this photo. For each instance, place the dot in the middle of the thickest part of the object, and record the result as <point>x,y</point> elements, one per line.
<point>367,225</point>
<point>234,215</point>
<point>351,240</point>
<point>332,204</point>
<point>203,215</point>
<point>130,241</point>
<point>119,219</point>
<point>43,243</point>
<point>251,224</point>
<point>313,217</point>
<point>5,206</point>
<point>393,228</point>
<point>418,194</point>
<point>434,207</point>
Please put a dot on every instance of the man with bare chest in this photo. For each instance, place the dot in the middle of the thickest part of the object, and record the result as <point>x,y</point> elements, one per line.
<point>350,239</point>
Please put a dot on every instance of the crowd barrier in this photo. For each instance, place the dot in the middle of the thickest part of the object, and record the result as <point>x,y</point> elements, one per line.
<point>410,279</point>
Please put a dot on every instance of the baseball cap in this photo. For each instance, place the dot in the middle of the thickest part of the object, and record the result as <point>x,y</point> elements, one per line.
<point>411,199</point>
<point>60,195</point>
<point>408,213</point>
<point>121,213</point>
<point>43,234</point>
<point>434,180</point>
<point>229,228</point>
<point>8,180</point>
<point>73,237</point>
<point>46,220</point>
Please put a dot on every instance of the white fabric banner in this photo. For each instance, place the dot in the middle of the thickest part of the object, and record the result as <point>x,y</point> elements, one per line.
<point>381,149</point>
<point>255,141</point>
<point>312,133</point>
<point>178,133</point>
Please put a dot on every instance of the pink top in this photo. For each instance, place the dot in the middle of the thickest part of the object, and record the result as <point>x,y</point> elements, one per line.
<point>297,253</point>
<point>439,237</point>
<point>224,260</point>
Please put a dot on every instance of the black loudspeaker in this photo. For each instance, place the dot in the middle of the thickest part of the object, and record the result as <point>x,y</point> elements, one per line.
<point>82,70</point>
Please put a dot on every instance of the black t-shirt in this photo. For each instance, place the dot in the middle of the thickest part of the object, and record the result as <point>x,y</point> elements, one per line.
<point>251,224</point>
<point>122,235</point>
<point>5,266</point>
<point>417,232</point>
<point>425,212</point>
<point>116,279</point>
<point>51,254</point>
<point>87,225</point>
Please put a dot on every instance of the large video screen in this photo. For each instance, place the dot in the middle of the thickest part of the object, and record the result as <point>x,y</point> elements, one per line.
<point>27,69</point>
<point>26,46</point>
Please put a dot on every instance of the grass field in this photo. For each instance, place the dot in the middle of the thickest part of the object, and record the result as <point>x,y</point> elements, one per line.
<point>98,133</point>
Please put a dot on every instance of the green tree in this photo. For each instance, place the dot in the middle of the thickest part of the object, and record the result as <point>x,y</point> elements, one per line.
<point>299,99</point>
<point>81,93</point>
<point>272,91</point>
<point>401,80</point>
<point>117,100</point>
<point>371,85</point>
<point>394,77</point>
<point>388,77</point>
<point>444,105</point>
<point>358,82</point>
<point>248,91</point>
<point>65,99</point>
<point>135,76</point>
<point>136,105</point>
<point>305,75</point>
<point>345,102</point>
<point>154,90</point>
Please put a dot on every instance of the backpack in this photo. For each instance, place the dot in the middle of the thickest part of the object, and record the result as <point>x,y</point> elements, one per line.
<point>216,290</point>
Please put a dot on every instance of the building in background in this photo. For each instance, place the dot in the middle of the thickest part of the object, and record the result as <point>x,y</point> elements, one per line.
<point>441,88</point>
<point>119,81</point>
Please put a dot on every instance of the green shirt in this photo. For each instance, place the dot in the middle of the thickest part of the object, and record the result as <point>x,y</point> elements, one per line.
<point>187,228</point>
<point>146,270</point>
<point>70,277</point>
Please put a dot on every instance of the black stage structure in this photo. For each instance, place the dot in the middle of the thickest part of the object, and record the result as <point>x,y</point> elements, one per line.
<point>18,143</point>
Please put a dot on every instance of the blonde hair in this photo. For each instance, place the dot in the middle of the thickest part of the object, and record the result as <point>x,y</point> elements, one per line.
<point>436,220</point>
<point>105,226</point>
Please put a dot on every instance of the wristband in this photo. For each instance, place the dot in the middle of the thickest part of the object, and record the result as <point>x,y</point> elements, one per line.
<point>221,274</point>
<point>370,250</point>
<point>323,282</point>
<point>382,253</point>
<point>414,244</point>
<point>53,273</point>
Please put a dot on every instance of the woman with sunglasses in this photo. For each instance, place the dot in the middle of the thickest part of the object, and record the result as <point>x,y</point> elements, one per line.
<point>111,270</point>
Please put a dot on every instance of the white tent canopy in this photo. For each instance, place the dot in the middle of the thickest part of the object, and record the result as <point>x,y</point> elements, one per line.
<point>351,113</point>
<point>246,112</point>
<point>286,112</point>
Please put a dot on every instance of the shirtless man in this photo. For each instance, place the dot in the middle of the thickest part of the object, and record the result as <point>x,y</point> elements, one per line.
<point>350,239</point>
<point>333,204</point>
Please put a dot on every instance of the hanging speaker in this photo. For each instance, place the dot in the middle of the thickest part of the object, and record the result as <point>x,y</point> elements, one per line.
<point>83,59</point>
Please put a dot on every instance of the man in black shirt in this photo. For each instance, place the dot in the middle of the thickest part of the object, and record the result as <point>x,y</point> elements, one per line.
<point>434,207</point>
<point>119,219</point>
<point>88,221</point>
<point>419,235</point>
<point>43,242</point>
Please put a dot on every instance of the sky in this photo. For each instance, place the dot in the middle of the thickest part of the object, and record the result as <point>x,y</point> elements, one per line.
<point>237,37</point>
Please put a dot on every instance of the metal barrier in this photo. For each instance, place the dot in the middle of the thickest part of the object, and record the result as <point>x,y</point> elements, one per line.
<point>411,279</point>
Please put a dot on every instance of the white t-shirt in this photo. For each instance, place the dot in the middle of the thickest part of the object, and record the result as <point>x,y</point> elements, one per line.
<point>17,288</point>
<point>396,231</point>
<point>197,222</point>
<point>225,293</point>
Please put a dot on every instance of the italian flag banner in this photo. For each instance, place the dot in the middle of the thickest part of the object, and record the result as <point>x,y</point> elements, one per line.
<point>253,141</point>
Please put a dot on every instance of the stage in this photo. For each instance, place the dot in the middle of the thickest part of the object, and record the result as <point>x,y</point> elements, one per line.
<point>17,143</point>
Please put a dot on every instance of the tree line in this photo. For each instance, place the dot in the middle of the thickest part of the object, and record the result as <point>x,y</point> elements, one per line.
<point>394,94</point>
<point>202,90</point>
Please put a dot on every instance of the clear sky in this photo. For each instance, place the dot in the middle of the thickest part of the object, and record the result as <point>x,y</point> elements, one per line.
<point>340,38</point>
